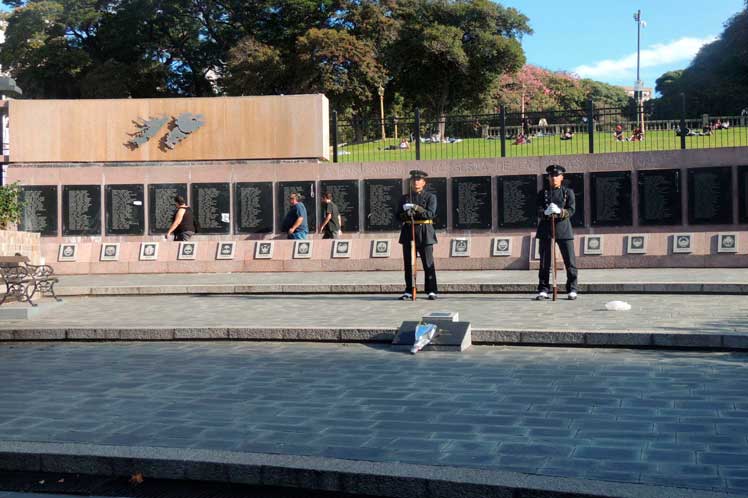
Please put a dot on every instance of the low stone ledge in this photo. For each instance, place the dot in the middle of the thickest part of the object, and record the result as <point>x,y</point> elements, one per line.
<point>496,336</point>
<point>211,289</point>
<point>389,479</point>
<point>146,334</point>
<point>39,335</point>
<point>688,340</point>
<point>149,290</point>
<point>305,289</point>
<point>551,337</point>
<point>116,291</point>
<point>258,289</point>
<point>93,334</point>
<point>201,334</point>
<point>618,339</point>
<point>735,341</point>
<point>368,335</point>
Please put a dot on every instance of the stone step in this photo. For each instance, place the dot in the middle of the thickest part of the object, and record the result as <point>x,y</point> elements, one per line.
<point>395,288</point>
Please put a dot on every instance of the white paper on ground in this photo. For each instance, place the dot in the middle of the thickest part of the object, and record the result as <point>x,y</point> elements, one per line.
<point>617,306</point>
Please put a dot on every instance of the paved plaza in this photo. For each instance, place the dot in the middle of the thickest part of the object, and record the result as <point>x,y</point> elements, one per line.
<point>670,418</point>
<point>666,422</point>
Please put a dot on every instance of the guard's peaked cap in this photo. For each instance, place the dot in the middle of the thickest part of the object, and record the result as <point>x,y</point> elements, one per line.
<point>417,173</point>
<point>555,170</point>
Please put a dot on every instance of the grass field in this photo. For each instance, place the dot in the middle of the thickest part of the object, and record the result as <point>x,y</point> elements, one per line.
<point>540,146</point>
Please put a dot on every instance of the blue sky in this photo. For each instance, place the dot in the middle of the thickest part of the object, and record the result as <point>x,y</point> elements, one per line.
<point>597,38</point>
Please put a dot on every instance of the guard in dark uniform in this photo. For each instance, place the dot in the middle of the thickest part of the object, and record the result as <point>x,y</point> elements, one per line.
<point>418,208</point>
<point>556,201</point>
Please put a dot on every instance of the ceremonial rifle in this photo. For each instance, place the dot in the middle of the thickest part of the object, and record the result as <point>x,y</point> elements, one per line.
<point>553,239</point>
<point>413,260</point>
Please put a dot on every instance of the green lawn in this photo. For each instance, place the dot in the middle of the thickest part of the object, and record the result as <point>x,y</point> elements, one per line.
<point>540,146</point>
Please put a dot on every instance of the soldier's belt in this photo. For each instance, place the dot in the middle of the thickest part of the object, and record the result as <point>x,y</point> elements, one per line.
<point>420,222</point>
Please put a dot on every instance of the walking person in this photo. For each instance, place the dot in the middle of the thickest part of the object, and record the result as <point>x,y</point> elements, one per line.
<point>183,224</point>
<point>556,203</point>
<point>417,212</point>
<point>295,223</point>
<point>331,225</point>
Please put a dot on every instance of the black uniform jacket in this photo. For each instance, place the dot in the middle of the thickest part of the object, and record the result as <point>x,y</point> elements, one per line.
<point>425,210</point>
<point>563,197</point>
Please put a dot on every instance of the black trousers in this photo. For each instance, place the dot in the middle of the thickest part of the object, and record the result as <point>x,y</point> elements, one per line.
<point>570,261</point>
<point>427,260</point>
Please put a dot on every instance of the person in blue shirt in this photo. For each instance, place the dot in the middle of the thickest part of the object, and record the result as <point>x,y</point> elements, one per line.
<point>295,223</point>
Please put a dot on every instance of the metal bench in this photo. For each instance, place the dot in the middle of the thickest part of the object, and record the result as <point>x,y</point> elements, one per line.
<point>23,280</point>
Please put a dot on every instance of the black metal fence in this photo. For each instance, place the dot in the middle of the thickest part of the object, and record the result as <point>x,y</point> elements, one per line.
<point>513,134</point>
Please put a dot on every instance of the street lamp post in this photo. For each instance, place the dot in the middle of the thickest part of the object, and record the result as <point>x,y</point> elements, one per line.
<point>380,90</point>
<point>639,86</point>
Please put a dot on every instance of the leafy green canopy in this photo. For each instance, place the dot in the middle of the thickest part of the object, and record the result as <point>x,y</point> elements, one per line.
<point>439,54</point>
<point>717,79</point>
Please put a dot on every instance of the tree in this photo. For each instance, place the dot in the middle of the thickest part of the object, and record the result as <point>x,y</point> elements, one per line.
<point>339,65</point>
<point>716,81</point>
<point>450,53</point>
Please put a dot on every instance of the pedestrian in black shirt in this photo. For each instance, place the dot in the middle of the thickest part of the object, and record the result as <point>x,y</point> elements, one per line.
<point>183,223</point>
<point>331,225</point>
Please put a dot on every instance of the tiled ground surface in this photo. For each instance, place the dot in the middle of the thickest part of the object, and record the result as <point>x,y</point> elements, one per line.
<point>658,417</point>
<point>686,314</point>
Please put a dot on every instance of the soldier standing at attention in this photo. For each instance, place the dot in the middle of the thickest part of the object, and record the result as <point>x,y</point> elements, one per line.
<point>556,202</point>
<point>418,209</point>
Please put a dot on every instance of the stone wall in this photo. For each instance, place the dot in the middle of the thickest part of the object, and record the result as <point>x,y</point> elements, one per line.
<point>26,243</point>
<point>614,251</point>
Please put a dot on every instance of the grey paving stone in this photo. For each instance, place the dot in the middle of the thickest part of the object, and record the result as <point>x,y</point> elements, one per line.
<point>607,453</point>
<point>682,457</point>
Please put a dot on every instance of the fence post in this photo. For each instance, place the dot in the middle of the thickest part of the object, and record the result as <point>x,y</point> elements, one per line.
<point>334,136</point>
<point>682,120</point>
<point>591,125</point>
<point>417,138</point>
<point>502,132</point>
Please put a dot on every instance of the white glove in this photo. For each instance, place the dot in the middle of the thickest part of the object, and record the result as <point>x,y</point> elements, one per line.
<point>552,209</point>
<point>408,206</point>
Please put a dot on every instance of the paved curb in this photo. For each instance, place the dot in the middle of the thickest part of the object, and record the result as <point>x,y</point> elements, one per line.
<point>582,338</point>
<point>329,474</point>
<point>447,288</point>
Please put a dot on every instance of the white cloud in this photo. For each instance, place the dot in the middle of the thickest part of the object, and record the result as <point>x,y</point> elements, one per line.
<point>681,50</point>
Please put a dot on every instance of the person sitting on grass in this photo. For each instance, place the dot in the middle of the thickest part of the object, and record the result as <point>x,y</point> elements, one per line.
<point>618,134</point>
<point>637,136</point>
<point>688,132</point>
<point>404,145</point>
<point>567,134</point>
<point>522,139</point>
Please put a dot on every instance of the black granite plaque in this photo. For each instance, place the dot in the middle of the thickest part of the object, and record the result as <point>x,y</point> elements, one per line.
<point>309,198</point>
<point>659,197</point>
<point>81,210</point>
<point>611,198</point>
<point>381,202</point>
<point>211,205</point>
<point>161,205</point>
<point>39,213</point>
<point>517,199</point>
<point>743,194</point>
<point>575,181</point>
<point>471,202</point>
<point>345,196</point>
<point>438,187</point>
<point>123,209</point>
<point>253,207</point>
<point>710,196</point>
